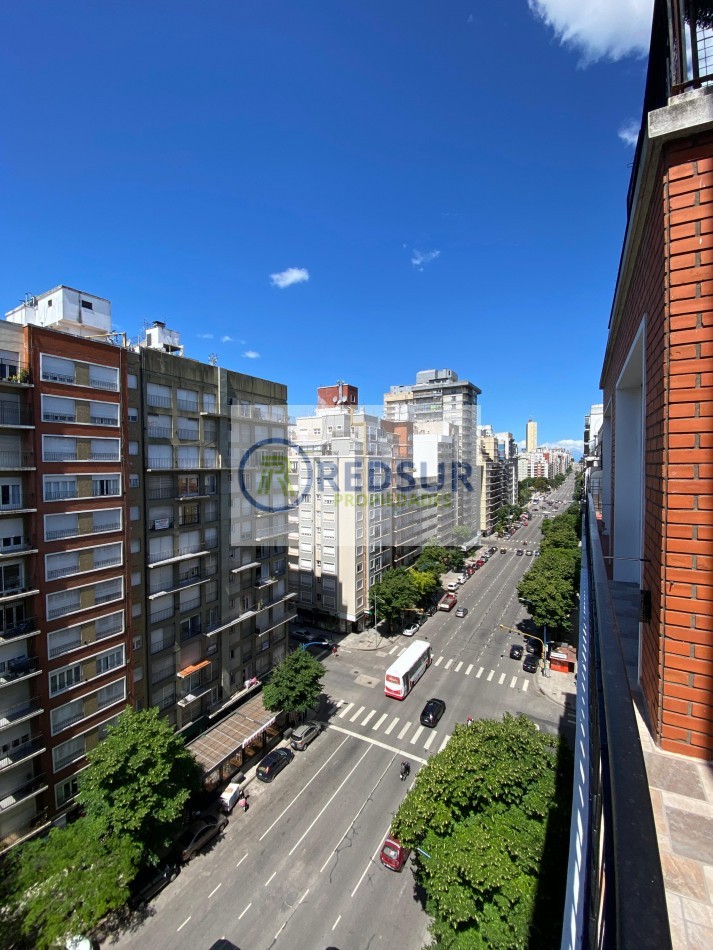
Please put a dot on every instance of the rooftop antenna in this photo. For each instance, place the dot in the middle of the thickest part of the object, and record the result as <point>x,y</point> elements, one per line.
<point>213,359</point>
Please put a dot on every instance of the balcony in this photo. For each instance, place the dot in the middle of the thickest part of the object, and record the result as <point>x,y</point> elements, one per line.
<point>161,615</point>
<point>58,378</point>
<point>22,628</point>
<point>15,373</point>
<point>105,456</point>
<point>20,794</point>
<point>195,695</point>
<point>109,385</point>
<point>159,402</point>
<point>160,524</point>
<point>19,712</point>
<point>160,676</point>
<point>61,495</point>
<point>22,547</point>
<point>165,644</point>
<point>13,414</point>
<point>158,494</point>
<point>20,669</point>
<point>158,432</point>
<point>22,753</point>
<point>104,420</point>
<point>192,604</point>
<point>24,504</point>
<point>188,435</point>
<point>22,588</point>
<point>187,405</point>
<point>16,461</point>
<point>164,557</point>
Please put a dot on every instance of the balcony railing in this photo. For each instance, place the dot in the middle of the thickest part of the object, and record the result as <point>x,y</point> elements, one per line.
<point>61,494</point>
<point>615,891</point>
<point>162,402</point>
<point>57,377</point>
<point>160,675</point>
<point>104,420</point>
<point>110,385</point>
<point>28,707</point>
<point>161,645</point>
<point>23,791</point>
<point>58,417</point>
<point>19,753</point>
<point>105,456</point>
<point>19,668</point>
<point>160,615</point>
<point>19,629</point>
<point>187,405</point>
<point>158,432</point>
<point>191,604</point>
<point>156,494</point>
<point>16,460</point>
<point>55,612</point>
<point>159,463</point>
<point>13,414</point>
<point>190,435</point>
<point>110,526</point>
<point>156,556</point>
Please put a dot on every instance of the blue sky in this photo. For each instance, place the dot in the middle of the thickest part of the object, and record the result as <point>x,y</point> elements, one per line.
<point>332,189</point>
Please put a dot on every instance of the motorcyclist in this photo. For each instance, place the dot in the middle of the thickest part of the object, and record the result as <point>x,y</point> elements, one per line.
<point>405,769</point>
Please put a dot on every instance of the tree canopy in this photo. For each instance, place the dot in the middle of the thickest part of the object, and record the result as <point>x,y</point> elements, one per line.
<point>65,883</point>
<point>490,815</point>
<point>394,593</point>
<point>138,781</point>
<point>549,587</point>
<point>295,683</point>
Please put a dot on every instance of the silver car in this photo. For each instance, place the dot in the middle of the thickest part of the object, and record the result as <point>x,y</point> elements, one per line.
<point>304,734</point>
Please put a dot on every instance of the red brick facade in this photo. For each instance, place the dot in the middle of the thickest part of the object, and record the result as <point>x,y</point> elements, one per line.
<point>671,291</point>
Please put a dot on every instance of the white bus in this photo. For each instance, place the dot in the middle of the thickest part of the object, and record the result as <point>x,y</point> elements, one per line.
<point>408,669</point>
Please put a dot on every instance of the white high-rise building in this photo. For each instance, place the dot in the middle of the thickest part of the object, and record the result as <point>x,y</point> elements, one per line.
<point>531,436</point>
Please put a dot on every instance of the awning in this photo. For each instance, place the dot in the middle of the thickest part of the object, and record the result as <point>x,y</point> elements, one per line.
<point>187,670</point>
<point>231,734</point>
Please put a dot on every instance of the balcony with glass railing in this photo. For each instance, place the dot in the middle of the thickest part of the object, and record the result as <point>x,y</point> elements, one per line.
<point>13,629</point>
<point>20,668</point>
<point>19,712</point>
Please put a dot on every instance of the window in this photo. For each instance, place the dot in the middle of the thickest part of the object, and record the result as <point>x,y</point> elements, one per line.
<point>135,578</point>
<point>63,641</point>
<point>65,679</point>
<point>56,370</point>
<point>57,489</point>
<point>110,660</point>
<point>136,643</point>
<point>133,415</point>
<point>209,402</point>
<point>65,716</point>
<point>65,791</point>
<point>10,496</point>
<point>134,481</point>
<point>105,486</point>
<point>67,752</point>
<point>135,545</point>
<point>136,610</point>
<point>134,513</point>
<point>132,380</point>
<point>111,693</point>
<point>133,448</point>
<point>87,305</point>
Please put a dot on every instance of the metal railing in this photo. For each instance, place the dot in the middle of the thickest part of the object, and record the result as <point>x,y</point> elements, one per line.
<point>187,405</point>
<point>18,668</point>
<point>19,710</point>
<point>160,645</point>
<point>104,420</point>
<point>162,402</point>
<point>615,891</point>
<point>13,414</point>
<point>104,384</point>
<point>190,435</point>
<point>160,615</point>
<point>19,628</point>
<point>158,432</point>
<point>61,494</point>
<point>16,460</point>
<point>20,752</point>
<point>22,791</point>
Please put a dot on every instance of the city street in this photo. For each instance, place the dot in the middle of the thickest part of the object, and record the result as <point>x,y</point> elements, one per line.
<point>301,869</point>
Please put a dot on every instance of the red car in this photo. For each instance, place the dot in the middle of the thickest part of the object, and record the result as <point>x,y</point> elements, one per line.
<point>393,855</point>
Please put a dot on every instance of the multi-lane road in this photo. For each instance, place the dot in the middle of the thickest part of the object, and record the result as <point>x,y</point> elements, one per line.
<point>301,870</point>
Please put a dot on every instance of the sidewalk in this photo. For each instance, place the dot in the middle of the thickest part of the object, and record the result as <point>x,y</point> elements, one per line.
<point>560,688</point>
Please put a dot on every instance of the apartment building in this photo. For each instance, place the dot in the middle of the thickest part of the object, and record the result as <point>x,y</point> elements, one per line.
<point>439,396</point>
<point>134,567</point>
<point>495,480</point>
<point>531,436</point>
<point>507,452</point>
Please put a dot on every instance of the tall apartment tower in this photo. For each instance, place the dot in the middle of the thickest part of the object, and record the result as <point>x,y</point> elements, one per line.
<point>439,396</point>
<point>531,436</point>
<point>129,573</point>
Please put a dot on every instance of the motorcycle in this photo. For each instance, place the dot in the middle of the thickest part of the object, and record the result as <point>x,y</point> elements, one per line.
<point>405,771</point>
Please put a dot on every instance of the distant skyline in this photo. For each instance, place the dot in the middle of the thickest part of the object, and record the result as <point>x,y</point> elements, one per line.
<point>333,191</point>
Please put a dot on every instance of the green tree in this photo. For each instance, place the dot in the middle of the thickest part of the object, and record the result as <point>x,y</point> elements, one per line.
<point>394,593</point>
<point>65,883</point>
<point>425,583</point>
<point>138,781</point>
<point>295,684</point>
<point>462,533</point>
<point>481,811</point>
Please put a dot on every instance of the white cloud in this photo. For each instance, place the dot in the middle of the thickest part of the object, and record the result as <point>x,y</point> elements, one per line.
<point>522,444</point>
<point>601,29</point>
<point>293,275</point>
<point>629,133</point>
<point>419,258</point>
<point>251,355</point>
<point>205,336</point>
<point>572,445</point>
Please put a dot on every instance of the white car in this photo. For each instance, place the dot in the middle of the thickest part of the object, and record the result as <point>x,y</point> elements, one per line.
<point>410,631</point>
<point>452,587</point>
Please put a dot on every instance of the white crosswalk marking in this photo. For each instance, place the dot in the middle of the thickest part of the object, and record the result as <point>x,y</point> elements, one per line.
<point>470,667</point>
<point>358,713</point>
<point>342,712</point>
<point>379,721</point>
<point>443,744</point>
<point>525,685</point>
<point>393,649</point>
<point>512,682</point>
<point>391,725</point>
<point>416,734</point>
<point>404,730</point>
<point>438,661</point>
<point>368,717</point>
<point>449,664</point>
<point>479,673</point>
<point>459,666</point>
<point>427,743</point>
<point>491,674</point>
<point>501,679</point>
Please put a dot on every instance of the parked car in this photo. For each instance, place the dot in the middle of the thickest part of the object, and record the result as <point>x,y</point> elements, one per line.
<point>430,611</point>
<point>273,763</point>
<point>519,552</point>
<point>199,833</point>
<point>516,651</point>
<point>528,553</point>
<point>432,712</point>
<point>536,553</point>
<point>461,611</point>
<point>411,630</point>
<point>530,664</point>
<point>393,855</point>
<point>229,797</point>
<point>453,586</point>
<point>480,562</point>
<point>151,881</point>
<point>304,636</point>
<point>304,734</point>
<point>533,647</point>
<point>503,550</point>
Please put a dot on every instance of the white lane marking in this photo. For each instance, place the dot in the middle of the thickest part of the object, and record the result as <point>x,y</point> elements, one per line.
<point>427,743</point>
<point>416,734</point>
<point>183,924</point>
<point>525,685</point>
<point>307,784</point>
<point>368,717</point>
<point>214,890</point>
<point>491,674</point>
<point>336,922</point>
<point>457,669</point>
<point>449,663</point>
<point>327,803</point>
<point>245,911</point>
<point>241,860</point>
<point>479,673</point>
<point>304,895</point>
<point>443,744</point>
<point>438,661</point>
<point>391,726</point>
<point>358,713</point>
<point>404,731</point>
<point>379,721</point>
<point>393,649</point>
<point>501,679</point>
<point>512,682</point>
<point>379,745</point>
<point>342,712</point>
<point>270,878</point>
<point>370,861</point>
<point>470,667</point>
<point>279,931</point>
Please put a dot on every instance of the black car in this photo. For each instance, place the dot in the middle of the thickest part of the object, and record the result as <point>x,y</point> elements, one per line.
<point>519,552</point>
<point>273,763</point>
<point>198,833</point>
<point>304,636</point>
<point>149,882</point>
<point>533,647</point>
<point>530,664</point>
<point>433,609</point>
<point>516,651</point>
<point>432,712</point>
